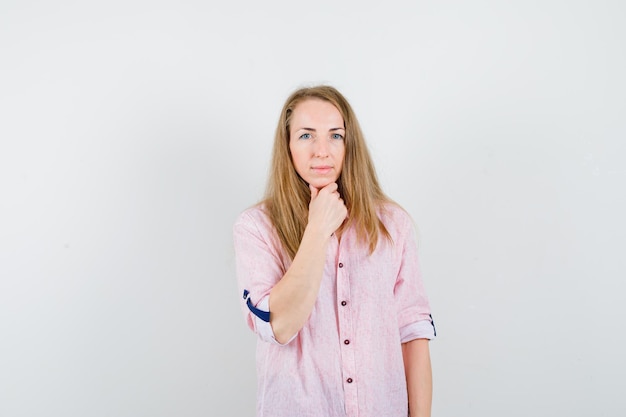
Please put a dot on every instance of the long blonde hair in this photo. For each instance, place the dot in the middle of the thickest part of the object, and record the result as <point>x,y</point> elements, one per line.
<point>287,196</point>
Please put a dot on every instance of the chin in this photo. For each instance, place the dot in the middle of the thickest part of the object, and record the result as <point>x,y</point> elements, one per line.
<point>320,183</point>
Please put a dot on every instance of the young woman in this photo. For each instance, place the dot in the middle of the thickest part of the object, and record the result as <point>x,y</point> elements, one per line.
<point>328,268</point>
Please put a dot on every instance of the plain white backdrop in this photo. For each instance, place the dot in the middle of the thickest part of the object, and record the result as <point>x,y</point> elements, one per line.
<point>132,133</point>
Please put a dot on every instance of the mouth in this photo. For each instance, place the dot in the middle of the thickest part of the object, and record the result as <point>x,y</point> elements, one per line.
<point>321,169</point>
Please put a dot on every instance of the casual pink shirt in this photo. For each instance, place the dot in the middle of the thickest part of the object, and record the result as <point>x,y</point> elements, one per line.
<point>347,359</point>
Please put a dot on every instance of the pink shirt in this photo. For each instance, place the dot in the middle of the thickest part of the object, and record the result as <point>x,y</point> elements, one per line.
<point>347,359</point>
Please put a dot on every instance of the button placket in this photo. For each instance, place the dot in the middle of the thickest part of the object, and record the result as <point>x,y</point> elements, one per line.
<point>345,336</point>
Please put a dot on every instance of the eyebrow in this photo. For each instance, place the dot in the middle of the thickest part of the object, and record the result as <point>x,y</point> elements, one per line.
<point>310,129</point>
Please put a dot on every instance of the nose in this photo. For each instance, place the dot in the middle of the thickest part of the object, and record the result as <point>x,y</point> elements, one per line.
<point>320,148</point>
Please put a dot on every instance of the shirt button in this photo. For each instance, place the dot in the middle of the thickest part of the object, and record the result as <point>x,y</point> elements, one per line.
<point>346,342</point>
<point>340,265</point>
<point>349,380</point>
<point>343,303</point>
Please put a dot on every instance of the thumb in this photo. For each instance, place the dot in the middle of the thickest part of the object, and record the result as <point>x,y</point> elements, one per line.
<point>314,191</point>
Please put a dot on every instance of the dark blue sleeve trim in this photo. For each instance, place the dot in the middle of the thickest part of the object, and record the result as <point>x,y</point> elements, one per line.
<point>263,315</point>
<point>433,323</point>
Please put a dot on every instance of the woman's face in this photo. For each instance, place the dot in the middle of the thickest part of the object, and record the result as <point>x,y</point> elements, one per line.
<point>316,141</point>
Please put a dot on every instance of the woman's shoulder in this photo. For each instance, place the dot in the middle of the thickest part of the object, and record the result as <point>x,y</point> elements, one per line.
<point>394,216</point>
<point>392,210</point>
<point>254,214</point>
<point>254,224</point>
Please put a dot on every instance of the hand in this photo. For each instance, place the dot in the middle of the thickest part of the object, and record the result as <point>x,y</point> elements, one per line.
<point>326,209</point>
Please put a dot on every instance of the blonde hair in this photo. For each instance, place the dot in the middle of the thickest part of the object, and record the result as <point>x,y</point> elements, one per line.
<point>287,196</point>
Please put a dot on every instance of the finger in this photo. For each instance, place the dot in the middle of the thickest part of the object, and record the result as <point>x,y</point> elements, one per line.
<point>314,191</point>
<point>332,187</point>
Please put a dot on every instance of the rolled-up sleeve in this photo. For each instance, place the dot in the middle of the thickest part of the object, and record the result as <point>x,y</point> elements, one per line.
<point>258,266</point>
<point>412,305</point>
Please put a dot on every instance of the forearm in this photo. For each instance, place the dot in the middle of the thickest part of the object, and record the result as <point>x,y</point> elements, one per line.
<point>293,297</point>
<point>418,372</point>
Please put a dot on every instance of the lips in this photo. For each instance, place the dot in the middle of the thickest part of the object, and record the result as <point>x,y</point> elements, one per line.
<point>322,169</point>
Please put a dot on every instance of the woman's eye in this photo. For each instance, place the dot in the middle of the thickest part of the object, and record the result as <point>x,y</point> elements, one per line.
<point>305,136</point>
<point>337,136</point>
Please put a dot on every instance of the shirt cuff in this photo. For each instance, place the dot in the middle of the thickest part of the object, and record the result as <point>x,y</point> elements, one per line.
<point>424,329</point>
<point>264,328</point>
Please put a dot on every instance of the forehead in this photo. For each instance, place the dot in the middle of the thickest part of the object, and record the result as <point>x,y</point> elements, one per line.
<point>316,111</point>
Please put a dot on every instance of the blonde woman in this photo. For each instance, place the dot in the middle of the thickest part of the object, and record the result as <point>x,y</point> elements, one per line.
<point>328,269</point>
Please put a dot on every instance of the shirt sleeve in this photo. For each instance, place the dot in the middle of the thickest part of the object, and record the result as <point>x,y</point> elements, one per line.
<point>263,328</point>
<point>414,316</point>
<point>258,268</point>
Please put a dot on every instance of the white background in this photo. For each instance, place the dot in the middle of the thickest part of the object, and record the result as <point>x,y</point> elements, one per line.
<point>132,133</point>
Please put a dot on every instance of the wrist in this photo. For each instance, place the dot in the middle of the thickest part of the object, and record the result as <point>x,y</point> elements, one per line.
<point>317,234</point>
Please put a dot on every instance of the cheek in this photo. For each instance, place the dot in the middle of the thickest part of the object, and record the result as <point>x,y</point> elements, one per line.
<point>341,153</point>
<point>297,158</point>
<point>293,153</point>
